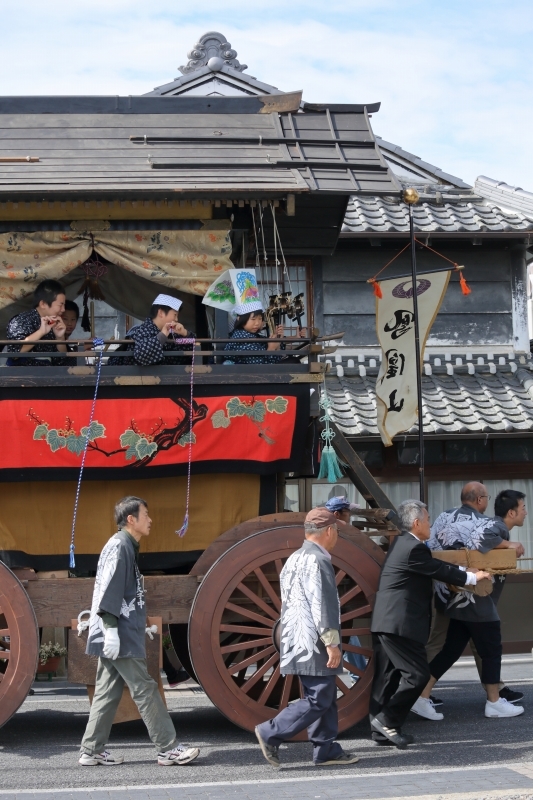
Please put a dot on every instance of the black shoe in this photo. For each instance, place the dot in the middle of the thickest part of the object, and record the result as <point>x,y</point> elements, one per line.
<point>510,695</point>
<point>435,700</point>
<point>343,758</point>
<point>382,741</point>
<point>392,734</point>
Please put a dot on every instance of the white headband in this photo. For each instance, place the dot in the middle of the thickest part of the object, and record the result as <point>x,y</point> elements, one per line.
<point>167,300</point>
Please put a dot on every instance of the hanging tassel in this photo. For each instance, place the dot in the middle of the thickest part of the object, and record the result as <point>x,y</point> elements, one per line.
<point>465,288</point>
<point>183,530</point>
<point>329,465</point>
<point>85,320</point>
<point>72,563</point>
<point>377,288</point>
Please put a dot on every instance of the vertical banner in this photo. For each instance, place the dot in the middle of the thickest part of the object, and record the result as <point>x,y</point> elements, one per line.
<point>396,396</point>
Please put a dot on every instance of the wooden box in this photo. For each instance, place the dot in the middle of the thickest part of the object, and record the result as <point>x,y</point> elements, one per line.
<point>494,559</point>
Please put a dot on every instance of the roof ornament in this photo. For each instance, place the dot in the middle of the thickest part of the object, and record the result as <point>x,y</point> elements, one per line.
<point>214,51</point>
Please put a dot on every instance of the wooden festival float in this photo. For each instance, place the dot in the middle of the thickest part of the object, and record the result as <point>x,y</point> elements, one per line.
<point>138,195</point>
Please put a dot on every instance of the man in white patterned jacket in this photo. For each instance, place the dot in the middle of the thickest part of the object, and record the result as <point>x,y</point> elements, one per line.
<point>310,646</point>
<point>117,634</point>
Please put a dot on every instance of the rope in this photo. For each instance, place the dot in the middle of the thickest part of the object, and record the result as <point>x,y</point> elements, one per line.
<point>183,530</point>
<point>276,234</point>
<point>96,343</point>
<point>417,241</point>
<point>276,261</point>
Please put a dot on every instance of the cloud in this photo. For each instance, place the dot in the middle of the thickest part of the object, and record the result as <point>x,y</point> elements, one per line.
<point>454,79</point>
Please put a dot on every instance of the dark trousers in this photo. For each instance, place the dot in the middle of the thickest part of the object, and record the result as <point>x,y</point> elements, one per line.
<point>487,639</point>
<point>400,673</point>
<point>316,711</point>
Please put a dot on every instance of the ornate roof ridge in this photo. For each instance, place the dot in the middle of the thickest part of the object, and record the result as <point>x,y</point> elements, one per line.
<point>214,51</point>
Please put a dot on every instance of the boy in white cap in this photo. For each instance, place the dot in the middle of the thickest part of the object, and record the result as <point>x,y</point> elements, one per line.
<point>157,333</point>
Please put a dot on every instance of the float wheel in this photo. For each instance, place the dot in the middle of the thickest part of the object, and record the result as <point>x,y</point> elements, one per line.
<point>232,629</point>
<point>19,644</point>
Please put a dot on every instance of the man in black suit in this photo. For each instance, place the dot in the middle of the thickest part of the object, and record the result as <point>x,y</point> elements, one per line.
<point>401,622</point>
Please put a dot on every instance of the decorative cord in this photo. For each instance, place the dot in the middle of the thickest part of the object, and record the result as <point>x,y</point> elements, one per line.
<point>183,530</point>
<point>96,343</point>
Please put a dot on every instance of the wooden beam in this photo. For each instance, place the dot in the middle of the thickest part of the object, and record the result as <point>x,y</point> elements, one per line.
<point>57,602</point>
<point>360,476</point>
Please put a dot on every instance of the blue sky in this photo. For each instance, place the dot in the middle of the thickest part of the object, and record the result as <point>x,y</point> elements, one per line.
<point>454,78</point>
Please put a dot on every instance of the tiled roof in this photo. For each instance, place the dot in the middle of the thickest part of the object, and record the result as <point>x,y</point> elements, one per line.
<point>441,208</point>
<point>453,404</point>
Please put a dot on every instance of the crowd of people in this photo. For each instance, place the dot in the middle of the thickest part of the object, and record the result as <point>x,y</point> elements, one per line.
<point>425,613</point>
<point>47,327</point>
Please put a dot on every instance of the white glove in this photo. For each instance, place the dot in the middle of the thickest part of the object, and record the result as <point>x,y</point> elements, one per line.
<point>111,643</point>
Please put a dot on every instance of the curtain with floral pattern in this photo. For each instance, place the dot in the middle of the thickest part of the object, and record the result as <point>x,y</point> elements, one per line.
<point>185,260</point>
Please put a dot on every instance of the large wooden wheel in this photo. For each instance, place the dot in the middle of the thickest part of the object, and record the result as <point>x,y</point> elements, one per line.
<point>19,644</point>
<point>233,631</point>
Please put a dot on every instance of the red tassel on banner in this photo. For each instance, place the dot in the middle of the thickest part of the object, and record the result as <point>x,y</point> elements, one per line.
<point>377,288</point>
<point>465,288</point>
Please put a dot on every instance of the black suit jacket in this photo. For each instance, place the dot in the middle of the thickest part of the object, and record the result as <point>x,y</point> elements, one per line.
<point>403,599</point>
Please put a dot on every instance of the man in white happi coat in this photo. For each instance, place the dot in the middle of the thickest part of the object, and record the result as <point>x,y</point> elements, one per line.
<point>117,633</point>
<point>310,646</point>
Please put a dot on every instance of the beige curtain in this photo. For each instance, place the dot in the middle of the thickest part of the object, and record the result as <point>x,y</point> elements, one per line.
<point>187,261</point>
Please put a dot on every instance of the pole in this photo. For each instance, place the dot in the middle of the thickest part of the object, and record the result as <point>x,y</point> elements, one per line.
<point>418,362</point>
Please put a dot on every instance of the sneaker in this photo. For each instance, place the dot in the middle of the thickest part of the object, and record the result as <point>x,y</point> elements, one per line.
<point>269,751</point>
<point>502,708</point>
<point>401,740</point>
<point>510,695</point>
<point>425,708</point>
<point>343,758</point>
<point>436,701</point>
<point>87,760</point>
<point>178,755</point>
<point>382,740</point>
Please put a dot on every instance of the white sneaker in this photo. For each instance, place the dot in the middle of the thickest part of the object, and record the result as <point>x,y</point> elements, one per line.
<point>178,755</point>
<point>425,708</point>
<point>105,758</point>
<point>502,708</point>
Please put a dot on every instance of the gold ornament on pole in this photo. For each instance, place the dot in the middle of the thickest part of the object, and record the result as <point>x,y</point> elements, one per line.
<point>410,196</point>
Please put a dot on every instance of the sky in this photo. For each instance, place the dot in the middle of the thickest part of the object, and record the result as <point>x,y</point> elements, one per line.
<point>454,77</point>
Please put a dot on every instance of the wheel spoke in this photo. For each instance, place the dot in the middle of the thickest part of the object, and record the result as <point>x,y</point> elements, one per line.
<point>269,589</point>
<point>4,654</point>
<point>251,595</point>
<point>269,623</point>
<point>359,612</point>
<point>351,668</point>
<point>251,660</point>
<point>341,685</point>
<point>249,685</point>
<point>339,576</point>
<point>242,629</point>
<point>279,565</point>
<point>354,632</point>
<point>4,632</point>
<point>269,688</point>
<point>234,648</point>
<point>362,651</point>
<point>347,596</point>
<point>286,693</point>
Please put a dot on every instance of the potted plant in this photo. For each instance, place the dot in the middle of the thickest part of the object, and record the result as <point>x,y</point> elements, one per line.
<point>49,657</point>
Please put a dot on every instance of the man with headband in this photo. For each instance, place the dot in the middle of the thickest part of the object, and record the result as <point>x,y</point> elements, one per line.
<point>159,332</point>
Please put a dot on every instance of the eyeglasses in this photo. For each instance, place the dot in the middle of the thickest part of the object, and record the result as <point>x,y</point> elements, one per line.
<point>481,496</point>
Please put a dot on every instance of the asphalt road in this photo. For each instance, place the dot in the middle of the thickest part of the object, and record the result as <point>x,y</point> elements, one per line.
<point>39,745</point>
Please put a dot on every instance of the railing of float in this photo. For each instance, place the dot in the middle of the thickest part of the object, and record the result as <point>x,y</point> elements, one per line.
<point>214,352</point>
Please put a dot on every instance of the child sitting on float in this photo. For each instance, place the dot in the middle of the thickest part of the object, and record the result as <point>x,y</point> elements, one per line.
<point>248,325</point>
